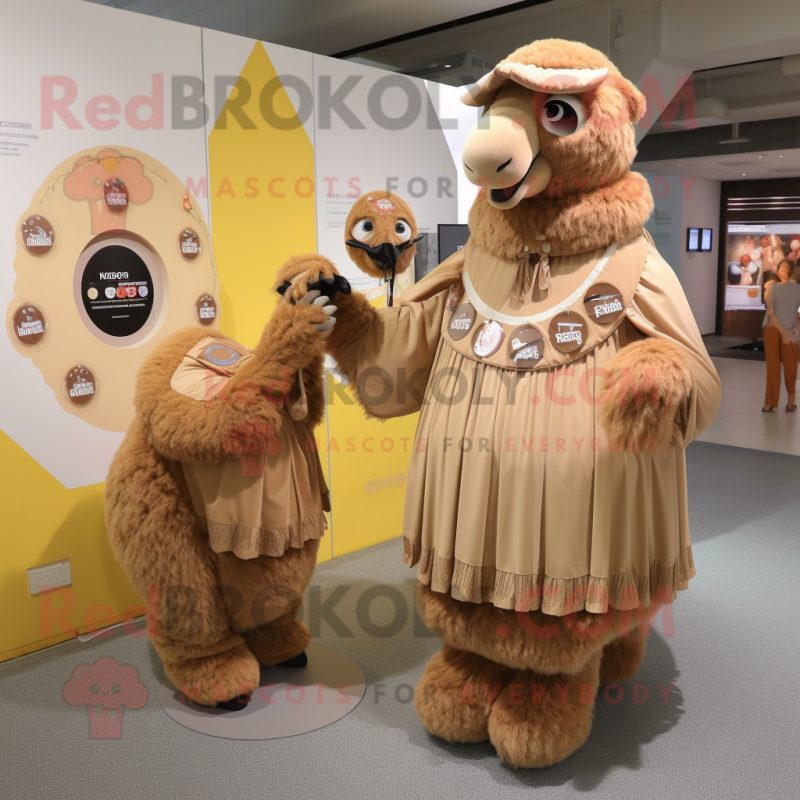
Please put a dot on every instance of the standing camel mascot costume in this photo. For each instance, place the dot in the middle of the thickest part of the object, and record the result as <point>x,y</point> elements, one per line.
<point>215,499</point>
<point>560,374</point>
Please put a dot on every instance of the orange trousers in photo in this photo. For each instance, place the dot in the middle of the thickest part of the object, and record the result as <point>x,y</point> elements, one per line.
<point>776,352</point>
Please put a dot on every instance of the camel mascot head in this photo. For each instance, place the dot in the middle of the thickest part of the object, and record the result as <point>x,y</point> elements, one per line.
<point>556,133</point>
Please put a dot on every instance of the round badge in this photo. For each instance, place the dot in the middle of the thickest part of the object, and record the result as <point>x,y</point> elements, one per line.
<point>115,195</point>
<point>81,385</point>
<point>29,325</point>
<point>189,243</point>
<point>603,303</point>
<point>525,347</point>
<point>205,309</point>
<point>383,205</point>
<point>92,293</point>
<point>568,331</point>
<point>37,235</point>
<point>462,321</point>
<point>221,355</point>
<point>488,339</point>
<point>452,301</point>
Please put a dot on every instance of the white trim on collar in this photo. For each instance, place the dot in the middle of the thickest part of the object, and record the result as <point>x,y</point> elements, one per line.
<point>488,312</point>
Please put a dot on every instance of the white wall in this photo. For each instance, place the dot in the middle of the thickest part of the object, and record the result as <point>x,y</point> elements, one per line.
<point>456,120</point>
<point>699,271</point>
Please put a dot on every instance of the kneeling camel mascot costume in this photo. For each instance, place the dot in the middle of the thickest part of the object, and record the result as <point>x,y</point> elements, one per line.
<point>215,499</point>
<point>560,374</point>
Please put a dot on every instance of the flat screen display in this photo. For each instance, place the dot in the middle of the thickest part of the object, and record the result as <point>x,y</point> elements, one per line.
<point>693,239</point>
<point>452,238</point>
<point>706,237</point>
<point>752,251</point>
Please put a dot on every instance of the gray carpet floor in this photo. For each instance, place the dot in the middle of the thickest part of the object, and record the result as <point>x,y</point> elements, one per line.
<point>729,728</point>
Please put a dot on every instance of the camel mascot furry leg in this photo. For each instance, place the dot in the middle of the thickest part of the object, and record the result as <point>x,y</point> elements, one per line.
<point>215,499</point>
<point>559,374</point>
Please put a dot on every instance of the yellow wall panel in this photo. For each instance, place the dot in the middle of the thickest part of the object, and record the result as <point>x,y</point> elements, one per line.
<point>369,461</point>
<point>261,188</point>
<point>44,523</point>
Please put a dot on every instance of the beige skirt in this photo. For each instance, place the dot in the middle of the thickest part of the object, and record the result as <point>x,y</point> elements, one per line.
<point>514,491</point>
<point>263,504</point>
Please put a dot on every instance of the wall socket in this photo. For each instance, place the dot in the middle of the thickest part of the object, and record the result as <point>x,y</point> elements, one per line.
<point>49,576</point>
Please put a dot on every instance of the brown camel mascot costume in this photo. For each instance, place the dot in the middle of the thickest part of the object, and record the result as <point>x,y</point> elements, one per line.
<point>215,499</point>
<point>563,374</point>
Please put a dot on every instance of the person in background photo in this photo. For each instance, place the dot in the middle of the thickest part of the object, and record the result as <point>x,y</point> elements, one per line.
<point>794,333</point>
<point>782,298</point>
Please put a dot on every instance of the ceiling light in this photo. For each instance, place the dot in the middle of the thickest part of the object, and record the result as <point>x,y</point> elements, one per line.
<point>711,107</point>
<point>736,139</point>
<point>744,173</point>
<point>780,156</point>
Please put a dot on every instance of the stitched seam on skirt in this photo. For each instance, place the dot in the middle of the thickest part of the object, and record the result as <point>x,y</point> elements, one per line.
<point>559,596</point>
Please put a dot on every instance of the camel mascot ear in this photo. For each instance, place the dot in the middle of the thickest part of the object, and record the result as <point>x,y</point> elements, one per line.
<point>634,99</point>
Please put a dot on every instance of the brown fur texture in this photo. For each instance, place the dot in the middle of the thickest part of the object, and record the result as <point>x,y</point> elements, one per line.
<point>455,694</point>
<point>647,398</point>
<point>354,315</point>
<point>570,224</point>
<point>383,230</point>
<point>300,270</point>
<point>354,322</point>
<point>539,720</point>
<point>497,634</point>
<point>622,657</point>
<point>204,608</point>
<point>279,641</point>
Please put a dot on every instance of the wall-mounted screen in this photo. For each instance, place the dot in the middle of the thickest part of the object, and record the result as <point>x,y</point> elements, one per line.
<point>693,239</point>
<point>452,238</point>
<point>753,250</point>
<point>706,238</point>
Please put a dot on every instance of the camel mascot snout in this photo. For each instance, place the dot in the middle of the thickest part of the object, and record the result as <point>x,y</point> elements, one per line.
<point>559,375</point>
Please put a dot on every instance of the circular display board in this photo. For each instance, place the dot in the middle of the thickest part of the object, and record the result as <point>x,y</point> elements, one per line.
<point>97,257</point>
<point>288,702</point>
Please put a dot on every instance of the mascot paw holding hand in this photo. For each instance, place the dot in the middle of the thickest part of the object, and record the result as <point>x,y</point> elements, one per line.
<point>215,500</point>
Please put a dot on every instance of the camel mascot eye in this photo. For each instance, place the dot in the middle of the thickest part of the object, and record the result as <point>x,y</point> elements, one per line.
<point>562,115</point>
<point>363,230</point>
<point>403,230</point>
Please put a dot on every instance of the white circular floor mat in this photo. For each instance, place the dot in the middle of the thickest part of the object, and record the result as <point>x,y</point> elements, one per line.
<point>288,702</point>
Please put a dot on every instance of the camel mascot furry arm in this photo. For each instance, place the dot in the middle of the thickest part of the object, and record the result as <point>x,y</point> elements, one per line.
<point>560,374</point>
<point>215,499</point>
